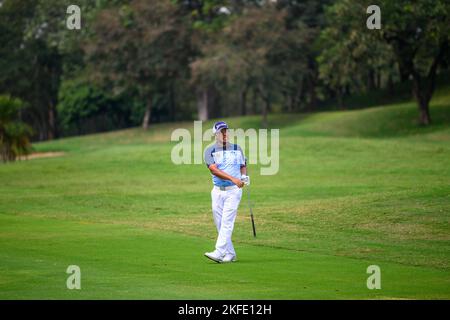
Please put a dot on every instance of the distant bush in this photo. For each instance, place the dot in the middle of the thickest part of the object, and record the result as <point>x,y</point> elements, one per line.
<point>14,134</point>
<point>84,108</point>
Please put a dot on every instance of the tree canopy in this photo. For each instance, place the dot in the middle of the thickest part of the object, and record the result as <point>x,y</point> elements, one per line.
<point>134,62</point>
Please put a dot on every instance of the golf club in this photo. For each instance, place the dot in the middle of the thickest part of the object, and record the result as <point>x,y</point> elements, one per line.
<point>250,206</point>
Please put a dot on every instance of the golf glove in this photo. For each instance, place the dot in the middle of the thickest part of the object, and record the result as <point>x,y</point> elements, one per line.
<point>245,179</point>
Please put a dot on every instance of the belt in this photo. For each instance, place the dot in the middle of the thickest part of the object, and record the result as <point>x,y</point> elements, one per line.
<point>225,188</point>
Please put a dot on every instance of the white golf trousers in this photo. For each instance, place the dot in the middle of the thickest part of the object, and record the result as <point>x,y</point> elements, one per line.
<point>224,207</point>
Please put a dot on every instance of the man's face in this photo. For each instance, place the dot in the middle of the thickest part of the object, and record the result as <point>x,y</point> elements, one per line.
<point>222,136</point>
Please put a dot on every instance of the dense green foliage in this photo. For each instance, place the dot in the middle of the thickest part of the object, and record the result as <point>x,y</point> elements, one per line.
<point>85,108</point>
<point>14,134</point>
<point>168,60</point>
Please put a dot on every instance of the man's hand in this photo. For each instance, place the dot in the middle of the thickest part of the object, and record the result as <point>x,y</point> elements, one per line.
<point>223,175</point>
<point>245,179</point>
<point>238,182</point>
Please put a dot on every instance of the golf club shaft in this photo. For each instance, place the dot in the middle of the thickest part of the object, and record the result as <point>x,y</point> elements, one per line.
<point>251,211</point>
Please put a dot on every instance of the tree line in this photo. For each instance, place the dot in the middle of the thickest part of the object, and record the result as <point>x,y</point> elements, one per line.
<point>134,62</point>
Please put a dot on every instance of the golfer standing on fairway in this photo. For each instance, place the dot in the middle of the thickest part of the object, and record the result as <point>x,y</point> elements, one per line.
<point>227,164</point>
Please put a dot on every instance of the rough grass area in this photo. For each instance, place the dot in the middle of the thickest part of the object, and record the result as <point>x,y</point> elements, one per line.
<point>355,188</point>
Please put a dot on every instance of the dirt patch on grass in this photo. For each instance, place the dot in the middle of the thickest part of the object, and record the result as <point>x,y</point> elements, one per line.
<point>38,155</point>
<point>406,231</point>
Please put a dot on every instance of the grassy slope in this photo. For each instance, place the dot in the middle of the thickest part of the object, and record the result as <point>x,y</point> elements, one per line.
<point>355,188</point>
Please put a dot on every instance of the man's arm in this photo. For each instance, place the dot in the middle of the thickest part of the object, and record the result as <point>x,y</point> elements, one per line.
<point>243,162</point>
<point>225,176</point>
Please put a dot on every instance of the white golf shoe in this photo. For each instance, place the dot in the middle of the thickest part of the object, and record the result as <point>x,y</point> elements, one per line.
<point>229,258</point>
<point>214,256</point>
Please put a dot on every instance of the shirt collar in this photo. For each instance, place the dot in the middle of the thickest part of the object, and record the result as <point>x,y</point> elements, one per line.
<point>220,146</point>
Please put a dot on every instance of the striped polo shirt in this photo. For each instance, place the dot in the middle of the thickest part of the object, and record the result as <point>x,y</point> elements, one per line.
<point>229,158</point>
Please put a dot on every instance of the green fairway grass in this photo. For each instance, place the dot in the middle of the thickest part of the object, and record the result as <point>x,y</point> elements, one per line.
<point>355,188</point>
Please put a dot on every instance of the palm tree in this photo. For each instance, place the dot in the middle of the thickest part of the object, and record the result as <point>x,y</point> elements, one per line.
<point>14,134</point>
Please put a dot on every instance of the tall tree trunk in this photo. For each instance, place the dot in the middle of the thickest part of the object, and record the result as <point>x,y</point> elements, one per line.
<point>264,115</point>
<point>266,106</point>
<point>54,67</point>
<point>311,84</point>
<point>288,103</point>
<point>147,114</point>
<point>422,93</point>
<point>312,93</point>
<point>51,133</point>
<point>172,101</point>
<point>371,80</point>
<point>390,85</point>
<point>202,105</point>
<point>423,87</point>
<point>379,79</point>
<point>244,101</point>
<point>291,101</point>
<point>299,94</point>
<point>425,118</point>
<point>255,101</point>
<point>340,98</point>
